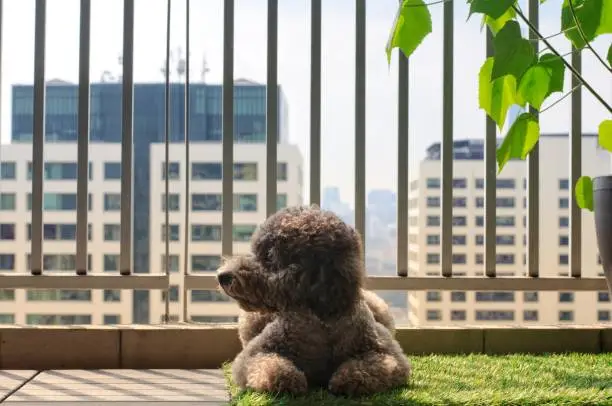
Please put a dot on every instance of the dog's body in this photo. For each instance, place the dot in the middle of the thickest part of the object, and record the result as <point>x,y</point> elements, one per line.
<point>308,322</point>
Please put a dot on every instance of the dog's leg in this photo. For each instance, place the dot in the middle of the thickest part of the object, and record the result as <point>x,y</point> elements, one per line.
<point>380,309</point>
<point>268,373</point>
<point>370,373</point>
<point>251,324</point>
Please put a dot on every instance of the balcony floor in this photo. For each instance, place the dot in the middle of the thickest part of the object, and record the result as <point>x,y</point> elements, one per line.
<point>202,387</point>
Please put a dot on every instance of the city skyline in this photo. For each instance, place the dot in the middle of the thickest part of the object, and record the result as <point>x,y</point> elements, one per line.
<point>337,70</point>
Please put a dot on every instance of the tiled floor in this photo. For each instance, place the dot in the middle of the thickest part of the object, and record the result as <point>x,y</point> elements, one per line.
<point>131,387</point>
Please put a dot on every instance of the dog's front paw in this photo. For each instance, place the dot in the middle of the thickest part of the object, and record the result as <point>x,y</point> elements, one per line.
<point>273,373</point>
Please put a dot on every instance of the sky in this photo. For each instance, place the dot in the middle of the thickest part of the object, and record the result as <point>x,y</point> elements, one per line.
<point>338,72</point>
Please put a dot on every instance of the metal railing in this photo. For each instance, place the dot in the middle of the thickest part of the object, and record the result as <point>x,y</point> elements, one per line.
<point>127,280</point>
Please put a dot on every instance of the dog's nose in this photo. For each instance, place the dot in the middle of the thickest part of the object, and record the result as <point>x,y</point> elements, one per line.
<point>225,278</point>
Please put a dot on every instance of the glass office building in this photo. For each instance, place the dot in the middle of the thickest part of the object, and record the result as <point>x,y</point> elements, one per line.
<point>205,118</point>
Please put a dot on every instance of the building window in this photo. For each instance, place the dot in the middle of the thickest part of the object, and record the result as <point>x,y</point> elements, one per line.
<point>504,259</point>
<point>112,201</point>
<point>245,171</point>
<point>563,222</point>
<point>480,202</point>
<point>7,318</point>
<point>7,201</point>
<point>459,239</point>
<point>563,184</point>
<point>566,315</point>
<point>433,221</point>
<point>459,202</point>
<point>281,201</point>
<point>504,239</point>
<point>7,295</point>
<point>563,203</point>
<point>459,221</point>
<point>563,259</point>
<point>60,295</point>
<point>433,258</point>
<point>7,232</point>
<point>8,170</point>
<point>57,319</point>
<point>59,232</point>
<point>174,232</point>
<point>563,240</point>
<point>459,183</point>
<point>566,297</point>
<point>173,294</point>
<point>433,239</point>
<point>480,183</point>
<point>434,315</point>
<point>479,239</point>
<point>206,171</point>
<point>530,315</point>
<point>112,295</point>
<point>281,171</point>
<point>173,263</point>
<point>504,221</point>
<point>505,202</point>
<point>603,297</point>
<point>60,171</point>
<point>458,296</point>
<point>433,201</point>
<point>434,296</point>
<point>59,201</point>
<point>174,200</point>
<point>495,296</point>
<point>530,296</point>
<point>7,262</point>
<point>479,221</point>
<point>110,319</point>
<point>112,170</point>
<point>479,258</point>
<point>205,263</point>
<point>494,315</point>
<point>245,202</point>
<point>208,296</point>
<point>111,262</point>
<point>243,232</point>
<point>205,232</point>
<point>603,315</point>
<point>505,183</point>
<point>174,171</point>
<point>433,183</point>
<point>459,258</point>
<point>206,202</point>
<point>214,319</point>
<point>458,315</point>
<point>112,232</point>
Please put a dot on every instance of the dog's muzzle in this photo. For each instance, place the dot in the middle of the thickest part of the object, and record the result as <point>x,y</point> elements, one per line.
<point>225,278</point>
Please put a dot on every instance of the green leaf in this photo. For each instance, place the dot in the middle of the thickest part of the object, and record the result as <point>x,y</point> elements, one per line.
<point>584,193</point>
<point>534,86</point>
<point>610,55</point>
<point>513,54</point>
<point>496,24</point>
<point>520,140</point>
<point>491,8</point>
<point>495,97</point>
<point>589,16</point>
<point>557,71</point>
<point>605,24</point>
<point>605,134</point>
<point>412,24</point>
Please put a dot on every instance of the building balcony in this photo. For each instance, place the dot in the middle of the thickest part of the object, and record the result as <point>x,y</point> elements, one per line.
<point>107,295</point>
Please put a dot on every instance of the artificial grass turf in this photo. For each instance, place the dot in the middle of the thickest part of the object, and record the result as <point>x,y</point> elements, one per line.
<point>571,379</point>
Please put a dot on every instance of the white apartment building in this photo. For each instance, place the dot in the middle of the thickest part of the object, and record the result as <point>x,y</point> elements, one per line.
<point>507,308</point>
<point>59,218</point>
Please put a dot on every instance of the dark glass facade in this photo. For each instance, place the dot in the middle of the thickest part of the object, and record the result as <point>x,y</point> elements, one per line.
<point>205,118</point>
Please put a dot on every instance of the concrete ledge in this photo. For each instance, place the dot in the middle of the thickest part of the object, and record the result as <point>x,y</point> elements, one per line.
<point>207,347</point>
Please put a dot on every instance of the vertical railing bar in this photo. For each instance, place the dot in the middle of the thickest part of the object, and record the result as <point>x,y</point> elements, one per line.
<point>167,164</point>
<point>315,102</point>
<point>228,128</point>
<point>1,53</point>
<point>272,108</point>
<point>533,172</point>
<point>83,140</point>
<point>125,256</point>
<point>36,265</point>
<point>490,183</point>
<point>403,145</point>
<point>447,141</point>
<point>187,159</point>
<point>360,119</point>
<point>575,171</point>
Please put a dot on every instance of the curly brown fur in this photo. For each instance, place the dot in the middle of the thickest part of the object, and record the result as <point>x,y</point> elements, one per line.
<point>303,287</point>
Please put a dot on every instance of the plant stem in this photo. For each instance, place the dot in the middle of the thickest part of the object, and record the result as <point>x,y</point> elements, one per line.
<point>559,100</point>
<point>583,36</point>
<point>567,64</point>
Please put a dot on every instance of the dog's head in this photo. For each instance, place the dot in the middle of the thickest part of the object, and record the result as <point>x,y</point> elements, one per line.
<point>303,259</point>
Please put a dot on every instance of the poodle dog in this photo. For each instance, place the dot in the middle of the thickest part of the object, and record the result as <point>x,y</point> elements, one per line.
<point>309,322</point>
